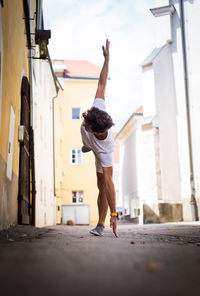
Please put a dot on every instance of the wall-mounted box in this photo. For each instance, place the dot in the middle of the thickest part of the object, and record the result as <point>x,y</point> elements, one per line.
<point>21,131</point>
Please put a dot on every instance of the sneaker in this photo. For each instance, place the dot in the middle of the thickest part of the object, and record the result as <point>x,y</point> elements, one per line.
<point>98,230</point>
<point>85,149</point>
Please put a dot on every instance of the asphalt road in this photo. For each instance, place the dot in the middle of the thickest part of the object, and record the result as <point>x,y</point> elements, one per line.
<point>162,259</point>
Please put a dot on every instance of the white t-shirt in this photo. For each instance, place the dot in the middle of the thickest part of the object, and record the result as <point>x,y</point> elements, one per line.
<point>102,148</point>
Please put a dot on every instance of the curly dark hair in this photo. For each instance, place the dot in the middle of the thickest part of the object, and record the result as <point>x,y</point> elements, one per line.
<point>98,120</point>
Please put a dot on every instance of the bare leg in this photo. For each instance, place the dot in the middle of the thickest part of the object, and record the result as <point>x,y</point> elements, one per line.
<point>102,200</point>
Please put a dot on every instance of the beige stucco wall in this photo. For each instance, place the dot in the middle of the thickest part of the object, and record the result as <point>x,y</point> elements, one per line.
<point>76,93</point>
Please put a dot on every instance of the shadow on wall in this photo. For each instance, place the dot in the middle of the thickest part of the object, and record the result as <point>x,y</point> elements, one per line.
<point>167,213</point>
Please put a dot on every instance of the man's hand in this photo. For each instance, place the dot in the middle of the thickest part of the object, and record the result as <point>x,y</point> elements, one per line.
<point>106,49</point>
<point>113,225</point>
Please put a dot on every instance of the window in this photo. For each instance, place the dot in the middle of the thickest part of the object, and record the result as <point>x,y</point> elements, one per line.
<point>76,156</point>
<point>77,197</point>
<point>75,113</point>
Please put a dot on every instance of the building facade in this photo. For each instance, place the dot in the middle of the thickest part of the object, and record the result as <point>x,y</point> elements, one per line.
<point>14,67</point>
<point>130,150</point>
<point>44,91</point>
<point>116,176</point>
<point>76,184</point>
<point>173,92</point>
<point>19,21</point>
<point>165,170</point>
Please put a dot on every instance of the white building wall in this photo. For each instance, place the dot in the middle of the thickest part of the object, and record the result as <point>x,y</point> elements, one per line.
<point>148,92</point>
<point>148,178</point>
<point>116,181</point>
<point>182,135</point>
<point>44,90</point>
<point>130,171</point>
<point>128,165</point>
<point>169,85</point>
<point>166,111</point>
<point>192,23</point>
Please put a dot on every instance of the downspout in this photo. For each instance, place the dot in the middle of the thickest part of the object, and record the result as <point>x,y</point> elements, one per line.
<point>38,14</point>
<point>54,173</point>
<point>31,69</point>
<point>53,121</point>
<point>33,221</point>
<point>186,86</point>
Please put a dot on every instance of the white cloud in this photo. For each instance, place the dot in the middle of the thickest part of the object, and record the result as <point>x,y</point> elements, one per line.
<point>79,28</point>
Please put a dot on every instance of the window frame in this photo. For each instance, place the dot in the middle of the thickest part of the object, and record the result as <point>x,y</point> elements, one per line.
<point>72,113</point>
<point>76,156</point>
<point>77,197</point>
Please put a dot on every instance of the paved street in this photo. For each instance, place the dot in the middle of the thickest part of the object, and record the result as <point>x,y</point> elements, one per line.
<point>67,260</point>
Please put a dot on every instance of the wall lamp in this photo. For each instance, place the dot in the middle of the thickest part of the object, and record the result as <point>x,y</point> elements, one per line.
<point>164,10</point>
<point>42,39</point>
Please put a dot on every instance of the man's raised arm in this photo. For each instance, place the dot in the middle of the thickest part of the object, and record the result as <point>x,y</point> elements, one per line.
<point>104,72</point>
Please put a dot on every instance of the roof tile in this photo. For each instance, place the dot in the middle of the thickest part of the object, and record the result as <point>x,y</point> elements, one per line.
<point>79,69</point>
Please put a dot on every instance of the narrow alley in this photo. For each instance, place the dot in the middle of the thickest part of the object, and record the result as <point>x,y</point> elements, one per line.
<point>149,259</point>
<point>99,115</point>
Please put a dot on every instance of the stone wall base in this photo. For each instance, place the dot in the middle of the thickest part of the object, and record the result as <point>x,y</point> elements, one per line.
<point>187,210</point>
<point>162,212</point>
<point>8,197</point>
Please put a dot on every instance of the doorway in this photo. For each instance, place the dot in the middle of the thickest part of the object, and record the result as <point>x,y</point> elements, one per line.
<point>24,156</point>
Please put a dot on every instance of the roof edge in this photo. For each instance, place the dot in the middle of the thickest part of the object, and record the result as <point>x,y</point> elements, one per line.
<point>135,114</point>
<point>150,58</point>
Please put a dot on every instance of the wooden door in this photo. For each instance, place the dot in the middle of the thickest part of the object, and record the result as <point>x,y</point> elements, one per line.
<point>24,163</point>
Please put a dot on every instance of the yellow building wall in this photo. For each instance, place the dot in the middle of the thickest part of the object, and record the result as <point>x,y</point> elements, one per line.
<point>15,62</point>
<point>77,93</point>
<point>58,134</point>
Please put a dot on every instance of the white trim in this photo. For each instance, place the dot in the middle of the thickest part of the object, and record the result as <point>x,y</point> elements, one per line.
<point>77,203</point>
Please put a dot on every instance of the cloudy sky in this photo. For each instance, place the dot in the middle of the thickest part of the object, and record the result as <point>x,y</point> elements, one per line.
<point>80,27</point>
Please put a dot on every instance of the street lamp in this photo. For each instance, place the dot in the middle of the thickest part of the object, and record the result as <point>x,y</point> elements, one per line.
<point>163,10</point>
<point>42,39</point>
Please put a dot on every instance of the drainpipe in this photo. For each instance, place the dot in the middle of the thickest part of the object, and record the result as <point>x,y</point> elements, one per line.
<point>53,120</point>
<point>54,173</point>
<point>32,222</point>
<point>186,85</point>
<point>31,69</point>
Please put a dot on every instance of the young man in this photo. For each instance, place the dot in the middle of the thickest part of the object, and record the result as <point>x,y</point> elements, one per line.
<point>97,136</point>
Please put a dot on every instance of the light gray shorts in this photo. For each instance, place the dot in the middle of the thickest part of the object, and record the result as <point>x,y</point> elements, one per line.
<point>104,159</point>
